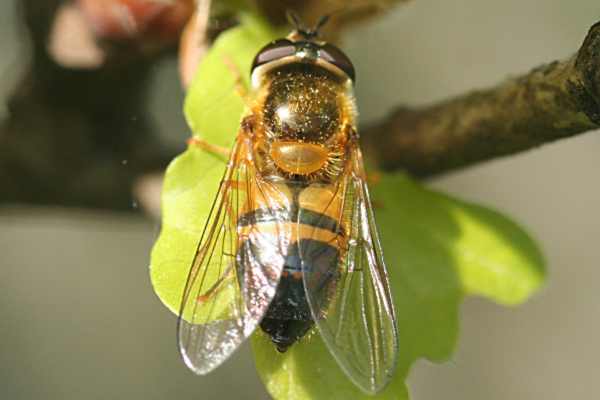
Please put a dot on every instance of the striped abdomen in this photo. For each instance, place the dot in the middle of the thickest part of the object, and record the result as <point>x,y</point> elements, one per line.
<point>312,245</point>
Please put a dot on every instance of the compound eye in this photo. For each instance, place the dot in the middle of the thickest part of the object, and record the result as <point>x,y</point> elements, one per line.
<point>335,56</point>
<point>273,51</point>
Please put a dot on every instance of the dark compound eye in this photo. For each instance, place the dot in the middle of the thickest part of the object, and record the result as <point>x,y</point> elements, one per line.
<point>273,51</point>
<point>335,56</point>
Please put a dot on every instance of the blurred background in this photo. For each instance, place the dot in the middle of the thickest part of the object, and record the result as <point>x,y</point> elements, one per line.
<point>80,319</point>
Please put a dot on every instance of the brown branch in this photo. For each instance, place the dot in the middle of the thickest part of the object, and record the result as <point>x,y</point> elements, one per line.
<point>91,139</point>
<point>551,102</point>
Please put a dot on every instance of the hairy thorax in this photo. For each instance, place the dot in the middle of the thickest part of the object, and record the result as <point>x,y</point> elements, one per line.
<point>305,114</point>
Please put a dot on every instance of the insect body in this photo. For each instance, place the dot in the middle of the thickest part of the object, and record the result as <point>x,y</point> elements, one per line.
<point>291,242</point>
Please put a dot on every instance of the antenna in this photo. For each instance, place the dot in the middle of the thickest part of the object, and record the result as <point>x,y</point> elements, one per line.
<point>320,23</point>
<point>295,20</point>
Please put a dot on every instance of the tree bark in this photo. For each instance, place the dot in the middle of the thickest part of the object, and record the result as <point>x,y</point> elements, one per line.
<point>554,101</point>
<point>82,137</point>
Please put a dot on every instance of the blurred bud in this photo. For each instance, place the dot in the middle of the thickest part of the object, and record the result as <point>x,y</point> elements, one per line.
<point>135,19</point>
<point>72,43</point>
<point>193,46</point>
<point>198,35</point>
<point>147,190</point>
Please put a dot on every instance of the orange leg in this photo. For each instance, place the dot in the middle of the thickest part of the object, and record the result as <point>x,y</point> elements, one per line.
<point>240,86</point>
<point>214,289</point>
<point>212,148</point>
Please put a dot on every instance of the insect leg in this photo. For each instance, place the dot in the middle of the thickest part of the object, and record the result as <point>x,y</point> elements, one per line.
<point>212,148</point>
<point>240,86</point>
<point>211,291</point>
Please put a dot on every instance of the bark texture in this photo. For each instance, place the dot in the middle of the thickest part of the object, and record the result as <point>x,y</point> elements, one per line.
<point>551,102</point>
<point>77,137</point>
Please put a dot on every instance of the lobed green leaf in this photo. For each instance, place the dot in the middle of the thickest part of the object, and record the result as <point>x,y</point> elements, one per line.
<point>438,249</point>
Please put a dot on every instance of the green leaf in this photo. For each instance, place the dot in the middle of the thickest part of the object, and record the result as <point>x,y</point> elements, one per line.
<point>191,182</point>
<point>307,371</point>
<point>437,249</point>
<point>213,110</point>
<point>213,106</point>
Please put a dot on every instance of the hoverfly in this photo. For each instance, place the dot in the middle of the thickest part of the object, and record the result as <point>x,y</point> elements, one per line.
<point>291,241</point>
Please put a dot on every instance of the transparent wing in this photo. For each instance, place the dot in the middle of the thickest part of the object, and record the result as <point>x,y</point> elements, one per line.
<point>353,310</point>
<point>232,280</point>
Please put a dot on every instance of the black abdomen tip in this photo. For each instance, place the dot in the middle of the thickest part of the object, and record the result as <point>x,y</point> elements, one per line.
<point>282,348</point>
<point>285,332</point>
